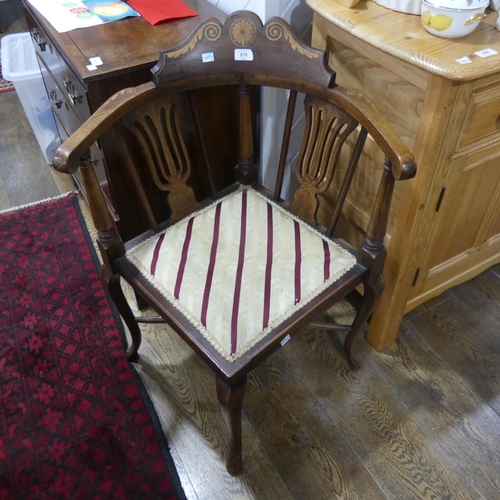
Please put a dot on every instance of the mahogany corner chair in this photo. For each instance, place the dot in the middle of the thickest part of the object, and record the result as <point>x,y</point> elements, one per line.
<point>235,270</point>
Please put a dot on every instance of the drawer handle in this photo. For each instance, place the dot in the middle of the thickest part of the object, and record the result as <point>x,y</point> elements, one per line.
<point>53,97</point>
<point>39,40</point>
<point>73,94</point>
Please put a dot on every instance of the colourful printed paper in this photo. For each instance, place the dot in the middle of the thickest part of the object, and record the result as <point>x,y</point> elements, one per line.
<point>110,10</point>
<point>157,11</point>
<point>66,15</point>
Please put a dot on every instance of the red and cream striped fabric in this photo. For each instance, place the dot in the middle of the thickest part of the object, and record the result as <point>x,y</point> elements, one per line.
<point>240,267</point>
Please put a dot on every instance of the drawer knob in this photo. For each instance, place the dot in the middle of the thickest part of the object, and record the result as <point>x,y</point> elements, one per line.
<point>73,94</point>
<point>53,97</point>
<point>39,40</point>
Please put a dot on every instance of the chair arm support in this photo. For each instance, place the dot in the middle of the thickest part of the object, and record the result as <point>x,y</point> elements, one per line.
<point>372,252</point>
<point>380,214</point>
<point>109,241</point>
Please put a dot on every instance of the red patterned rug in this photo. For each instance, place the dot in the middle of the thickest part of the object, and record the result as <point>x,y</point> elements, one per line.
<point>75,420</point>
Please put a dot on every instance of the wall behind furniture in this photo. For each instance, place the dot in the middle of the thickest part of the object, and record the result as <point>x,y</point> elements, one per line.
<point>274,101</point>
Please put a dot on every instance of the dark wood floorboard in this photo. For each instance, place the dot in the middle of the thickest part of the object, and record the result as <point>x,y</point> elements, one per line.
<point>418,420</point>
<point>309,453</point>
<point>183,391</point>
<point>430,304</point>
<point>467,344</point>
<point>404,460</point>
<point>29,178</point>
<point>444,406</point>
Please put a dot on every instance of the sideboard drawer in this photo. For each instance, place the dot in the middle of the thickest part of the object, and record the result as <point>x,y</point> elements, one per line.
<point>482,119</point>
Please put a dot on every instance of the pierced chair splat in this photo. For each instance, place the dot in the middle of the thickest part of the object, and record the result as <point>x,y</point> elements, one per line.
<point>235,267</point>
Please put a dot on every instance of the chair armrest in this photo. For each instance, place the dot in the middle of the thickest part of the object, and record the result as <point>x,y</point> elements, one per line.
<point>403,162</point>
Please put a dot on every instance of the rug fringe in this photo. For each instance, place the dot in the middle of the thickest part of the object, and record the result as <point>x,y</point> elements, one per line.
<point>34,203</point>
<point>5,85</point>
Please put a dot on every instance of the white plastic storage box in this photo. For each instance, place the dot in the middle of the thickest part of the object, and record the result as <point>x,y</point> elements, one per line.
<point>20,66</point>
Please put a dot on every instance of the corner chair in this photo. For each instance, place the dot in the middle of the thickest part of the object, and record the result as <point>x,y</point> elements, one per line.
<point>237,269</point>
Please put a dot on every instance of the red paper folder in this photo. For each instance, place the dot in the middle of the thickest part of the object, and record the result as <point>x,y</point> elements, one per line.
<point>156,11</point>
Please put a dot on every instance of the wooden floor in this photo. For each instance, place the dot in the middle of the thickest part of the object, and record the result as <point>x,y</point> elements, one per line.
<point>420,419</point>
<point>24,174</point>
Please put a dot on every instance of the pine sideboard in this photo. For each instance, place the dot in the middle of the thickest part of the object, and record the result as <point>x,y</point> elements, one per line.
<point>445,226</point>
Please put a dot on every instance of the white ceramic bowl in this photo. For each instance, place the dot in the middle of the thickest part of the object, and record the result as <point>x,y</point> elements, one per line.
<point>449,22</point>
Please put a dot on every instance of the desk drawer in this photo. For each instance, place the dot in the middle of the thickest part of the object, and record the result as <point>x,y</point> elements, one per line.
<point>58,99</point>
<point>74,91</point>
<point>45,48</point>
<point>482,119</point>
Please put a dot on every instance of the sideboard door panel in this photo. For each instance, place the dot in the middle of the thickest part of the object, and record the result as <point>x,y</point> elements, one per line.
<point>462,238</point>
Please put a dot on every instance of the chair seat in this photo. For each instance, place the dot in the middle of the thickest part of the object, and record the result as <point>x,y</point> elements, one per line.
<point>236,277</point>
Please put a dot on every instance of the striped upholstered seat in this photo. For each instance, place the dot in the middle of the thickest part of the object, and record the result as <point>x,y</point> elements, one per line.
<point>240,267</point>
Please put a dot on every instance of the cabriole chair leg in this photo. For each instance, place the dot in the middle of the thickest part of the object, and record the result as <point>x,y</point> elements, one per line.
<point>112,283</point>
<point>372,291</point>
<point>231,401</point>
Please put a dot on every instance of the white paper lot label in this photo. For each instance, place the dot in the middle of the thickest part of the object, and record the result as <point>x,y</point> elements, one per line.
<point>285,340</point>
<point>243,55</point>
<point>486,52</point>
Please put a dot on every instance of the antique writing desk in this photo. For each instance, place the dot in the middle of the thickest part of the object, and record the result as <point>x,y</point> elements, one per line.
<point>446,222</point>
<point>128,49</point>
